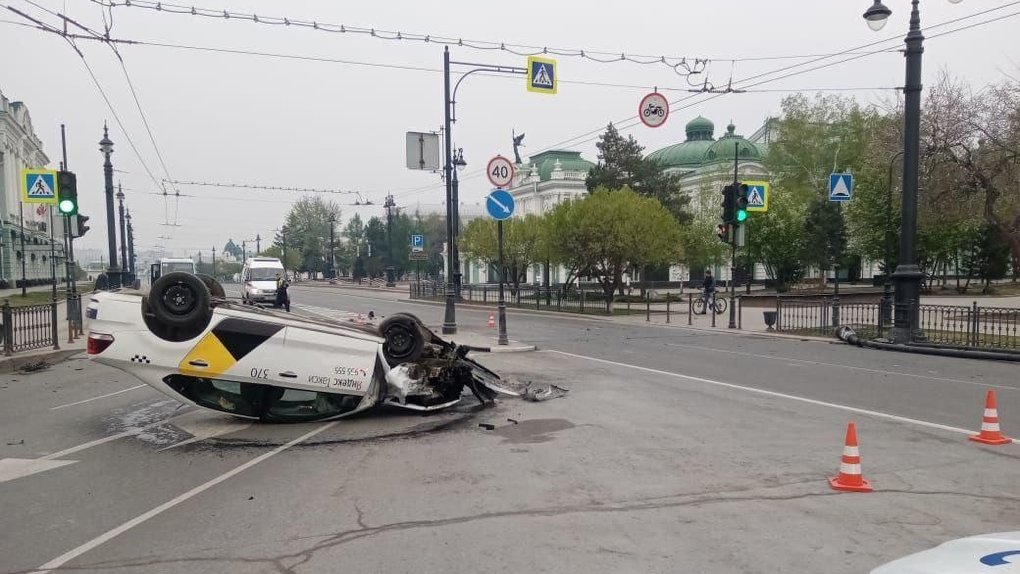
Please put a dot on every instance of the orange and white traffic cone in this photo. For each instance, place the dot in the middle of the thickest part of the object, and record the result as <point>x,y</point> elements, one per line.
<point>990,432</point>
<point>850,478</point>
<point>492,321</point>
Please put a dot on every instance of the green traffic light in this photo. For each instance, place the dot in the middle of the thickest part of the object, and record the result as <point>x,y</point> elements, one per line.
<point>66,206</point>
<point>741,215</point>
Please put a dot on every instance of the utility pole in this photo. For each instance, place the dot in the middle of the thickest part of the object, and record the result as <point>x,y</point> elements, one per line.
<point>283,237</point>
<point>733,244</point>
<point>244,251</point>
<point>258,244</point>
<point>390,270</point>
<point>214,261</point>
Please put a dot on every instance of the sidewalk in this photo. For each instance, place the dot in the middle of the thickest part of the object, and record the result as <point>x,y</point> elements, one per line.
<point>47,354</point>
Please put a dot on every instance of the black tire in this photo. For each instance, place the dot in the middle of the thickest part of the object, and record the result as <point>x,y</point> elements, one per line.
<point>214,287</point>
<point>180,300</point>
<point>720,306</point>
<point>403,339</point>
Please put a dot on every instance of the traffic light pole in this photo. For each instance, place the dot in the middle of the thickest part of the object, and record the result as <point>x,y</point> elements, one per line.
<point>733,242</point>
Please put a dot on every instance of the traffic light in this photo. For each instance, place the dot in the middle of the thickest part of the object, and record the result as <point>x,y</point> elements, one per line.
<point>723,232</point>
<point>729,203</point>
<point>67,187</point>
<point>741,203</point>
<point>78,227</point>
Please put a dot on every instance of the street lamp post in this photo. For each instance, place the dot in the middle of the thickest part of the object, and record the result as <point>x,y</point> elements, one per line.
<point>907,277</point>
<point>332,250</point>
<point>283,239</point>
<point>258,244</point>
<point>390,269</point>
<point>130,242</point>
<point>123,230</point>
<point>112,272</point>
<point>214,261</point>
<point>887,283</point>
<point>452,207</point>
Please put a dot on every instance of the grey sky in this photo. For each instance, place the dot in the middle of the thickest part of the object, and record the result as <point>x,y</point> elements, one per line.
<point>236,118</point>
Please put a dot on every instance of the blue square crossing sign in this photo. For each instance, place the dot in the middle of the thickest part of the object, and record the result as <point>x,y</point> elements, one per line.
<point>39,186</point>
<point>541,75</point>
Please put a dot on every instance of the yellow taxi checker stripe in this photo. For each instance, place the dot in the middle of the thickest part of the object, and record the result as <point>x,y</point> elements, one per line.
<point>208,358</point>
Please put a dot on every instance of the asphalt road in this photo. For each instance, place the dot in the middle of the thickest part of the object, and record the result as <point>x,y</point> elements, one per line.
<point>676,450</point>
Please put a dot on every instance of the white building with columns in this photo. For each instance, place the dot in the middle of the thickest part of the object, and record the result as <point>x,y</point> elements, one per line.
<point>545,181</point>
<point>21,148</point>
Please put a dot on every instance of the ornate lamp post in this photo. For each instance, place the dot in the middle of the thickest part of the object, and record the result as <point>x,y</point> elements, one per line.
<point>907,277</point>
<point>113,271</point>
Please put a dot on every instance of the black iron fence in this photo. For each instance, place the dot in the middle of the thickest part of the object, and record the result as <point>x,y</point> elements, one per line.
<point>973,326</point>
<point>821,316</point>
<point>29,327</point>
<point>526,296</point>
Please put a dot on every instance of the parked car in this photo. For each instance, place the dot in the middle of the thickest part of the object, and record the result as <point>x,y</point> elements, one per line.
<point>190,342</point>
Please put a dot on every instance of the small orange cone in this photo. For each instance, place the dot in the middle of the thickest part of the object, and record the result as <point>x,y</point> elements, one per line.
<point>492,321</point>
<point>990,433</point>
<point>850,478</point>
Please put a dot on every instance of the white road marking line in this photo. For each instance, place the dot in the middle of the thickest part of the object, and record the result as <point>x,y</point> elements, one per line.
<point>111,534</point>
<point>11,468</point>
<point>847,408</point>
<point>97,398</point>
<point>855,368</point>
<point>104,440</point>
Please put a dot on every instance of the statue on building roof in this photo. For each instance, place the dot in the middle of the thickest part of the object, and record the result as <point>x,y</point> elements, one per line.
<point>517,144</point>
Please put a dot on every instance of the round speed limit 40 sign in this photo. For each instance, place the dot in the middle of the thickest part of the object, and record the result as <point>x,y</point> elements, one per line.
<point>500,171</point>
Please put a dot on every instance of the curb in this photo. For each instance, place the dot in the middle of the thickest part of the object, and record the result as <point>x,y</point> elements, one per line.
<point>509,349</point>
<point>14,364</point>
<point>624,321</point>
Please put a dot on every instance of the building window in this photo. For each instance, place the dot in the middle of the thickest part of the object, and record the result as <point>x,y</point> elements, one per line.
<point>44,259</point>
<point>33,258</point>
<point>18,255</point>
<point>14,235</point>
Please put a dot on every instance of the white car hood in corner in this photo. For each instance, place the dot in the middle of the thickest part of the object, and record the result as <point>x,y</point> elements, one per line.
<point>997,553</point>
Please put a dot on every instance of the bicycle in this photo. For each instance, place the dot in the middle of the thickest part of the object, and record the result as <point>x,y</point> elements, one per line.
<point>718,305</point>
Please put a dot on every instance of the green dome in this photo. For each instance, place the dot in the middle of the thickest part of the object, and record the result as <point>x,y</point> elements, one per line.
<point>569,161</point>
<point>686,154</point>
<point>700,148</point>
<point>725,148</point>
<point>700,128</point>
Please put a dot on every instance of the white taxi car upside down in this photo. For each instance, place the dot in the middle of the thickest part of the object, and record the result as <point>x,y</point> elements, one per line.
<point>184,338</point>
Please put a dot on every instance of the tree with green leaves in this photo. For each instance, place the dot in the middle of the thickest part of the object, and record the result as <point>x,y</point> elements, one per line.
<point>988,257</point>
<point>294,256</point>
<point>522,240</point>
<point>307,232</point>
<point>777,239</point>
<point>621,163</point>
<point>609,232</point>
<point>824,235</point>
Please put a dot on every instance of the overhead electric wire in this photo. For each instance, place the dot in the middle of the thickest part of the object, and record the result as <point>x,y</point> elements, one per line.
<point>131,87</point>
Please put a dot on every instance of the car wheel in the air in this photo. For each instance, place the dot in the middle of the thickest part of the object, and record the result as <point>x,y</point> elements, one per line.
<point>403,339</point>
<point>180,300</point>
<point>214,287</point>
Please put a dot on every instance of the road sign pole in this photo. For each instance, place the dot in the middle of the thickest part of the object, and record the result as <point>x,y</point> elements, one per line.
<point>502,279</point>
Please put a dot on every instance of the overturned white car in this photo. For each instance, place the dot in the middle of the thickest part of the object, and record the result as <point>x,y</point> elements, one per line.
<point>184,338</point>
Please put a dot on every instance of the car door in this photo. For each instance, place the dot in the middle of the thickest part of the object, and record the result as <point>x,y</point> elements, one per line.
<point>325,360</point>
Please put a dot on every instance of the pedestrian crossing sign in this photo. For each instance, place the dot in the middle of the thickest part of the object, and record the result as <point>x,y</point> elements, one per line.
<point>39,186</point>
<point>757,195</point>
<point>541,75</point>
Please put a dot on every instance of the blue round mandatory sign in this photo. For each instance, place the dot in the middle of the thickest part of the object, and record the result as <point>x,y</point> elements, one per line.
<point>500,204</point>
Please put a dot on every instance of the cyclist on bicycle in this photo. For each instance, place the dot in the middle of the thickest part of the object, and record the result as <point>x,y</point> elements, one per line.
<point>708,285</point>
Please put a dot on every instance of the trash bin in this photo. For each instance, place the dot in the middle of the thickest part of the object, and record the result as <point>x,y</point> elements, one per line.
<point>770,319</point>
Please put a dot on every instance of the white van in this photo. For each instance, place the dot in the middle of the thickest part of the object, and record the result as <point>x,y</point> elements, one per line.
<point>258,279</point>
